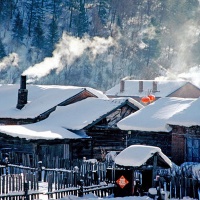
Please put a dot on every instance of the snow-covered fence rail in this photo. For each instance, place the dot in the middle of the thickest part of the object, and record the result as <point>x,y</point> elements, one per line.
<point>18,182</point>
<point>91,173</point>
<point>19,186</point>
<point>61,178</point>
<point>20,195</point>
<point>15,182</point>
<point>98,190</point>
<point>11,183</point>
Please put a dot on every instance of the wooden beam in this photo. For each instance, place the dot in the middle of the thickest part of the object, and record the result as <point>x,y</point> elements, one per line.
<point>155,161</point>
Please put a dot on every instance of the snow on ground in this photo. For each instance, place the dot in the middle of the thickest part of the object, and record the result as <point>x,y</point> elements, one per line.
<point>43,188</point>
<point>146,151</point>
<point>91,196</point>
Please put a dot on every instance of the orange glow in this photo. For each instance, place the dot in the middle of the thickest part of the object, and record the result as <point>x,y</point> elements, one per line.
<point>145,100</point>
<point>151,97</point>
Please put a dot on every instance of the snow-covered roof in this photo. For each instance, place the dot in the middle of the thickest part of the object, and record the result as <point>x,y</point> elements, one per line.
<point>154,116</point>
<point>187,117</point>
<point>40,99</point>
<point>137,155</point>
<point>74,117</point>
<point>40,131</point>
<point>80,114</point>
<point>131,88</point>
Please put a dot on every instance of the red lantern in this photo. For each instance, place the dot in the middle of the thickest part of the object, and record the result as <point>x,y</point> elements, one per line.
<point>151,97</point>
<point>145,100</point>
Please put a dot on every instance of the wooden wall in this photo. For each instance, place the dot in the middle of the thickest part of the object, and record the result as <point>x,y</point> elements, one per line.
<point>104,141</point>
<point>159,139</point>
<point>117,140</point>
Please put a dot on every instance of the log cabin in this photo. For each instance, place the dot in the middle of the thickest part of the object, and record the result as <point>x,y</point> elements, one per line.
<point>62,132</point>
<point>186,134</point>
<point>25,104</point>
<point>153,126</point>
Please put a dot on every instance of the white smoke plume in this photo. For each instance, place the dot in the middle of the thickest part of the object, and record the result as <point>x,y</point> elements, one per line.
<point>67,50</point>
<point>182,67</point>
<point>9,61</point>
<point>193,75</point>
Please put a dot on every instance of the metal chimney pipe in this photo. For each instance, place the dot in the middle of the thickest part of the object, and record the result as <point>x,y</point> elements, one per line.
<point>155,89</point>
<point>122,83</point>
<point>23,82</point>
<point>140,86</point>
<point>22,93</point>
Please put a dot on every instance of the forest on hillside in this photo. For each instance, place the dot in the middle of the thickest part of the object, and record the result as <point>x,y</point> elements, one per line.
<point>96,43</point>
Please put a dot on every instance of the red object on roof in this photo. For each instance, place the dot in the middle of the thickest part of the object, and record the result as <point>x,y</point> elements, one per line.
<point>151,97</point>
<point>145,100</point>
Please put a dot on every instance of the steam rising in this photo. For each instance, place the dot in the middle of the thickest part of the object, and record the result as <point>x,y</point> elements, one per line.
<point>193,75</point>
<point>68,49</point>
<point>9,61</point>
<point>182,67</point>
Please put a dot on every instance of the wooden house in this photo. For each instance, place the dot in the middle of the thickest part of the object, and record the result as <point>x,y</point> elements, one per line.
<point>67,132</point>
<point>137,89</point>
<point>186,134</point>
<point>105,134</point>
<point>149,126</point>
<point>26,104</point>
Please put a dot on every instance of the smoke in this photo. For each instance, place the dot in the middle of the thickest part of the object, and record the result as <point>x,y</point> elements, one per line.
<point>9,61</point>
<point>193,75</point>
<point>182,66</point>
<point>184,39</point>
<point>67,51</point>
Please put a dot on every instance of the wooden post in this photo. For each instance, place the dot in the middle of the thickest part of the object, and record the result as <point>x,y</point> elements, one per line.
<point>80,193</point>
<point>154,172</point>
<point>39,170</point>
<point>26,187</point>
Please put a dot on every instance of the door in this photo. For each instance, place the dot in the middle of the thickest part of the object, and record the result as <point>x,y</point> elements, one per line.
<point>193,150</point>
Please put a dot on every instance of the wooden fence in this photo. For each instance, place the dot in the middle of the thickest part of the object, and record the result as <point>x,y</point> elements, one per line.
<point>20,182</point>
<point>32,160</point>
<point>179,184</point>
<point>98,190</point>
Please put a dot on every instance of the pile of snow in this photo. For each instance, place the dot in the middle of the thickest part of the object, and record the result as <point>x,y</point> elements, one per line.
<point>137,155</point>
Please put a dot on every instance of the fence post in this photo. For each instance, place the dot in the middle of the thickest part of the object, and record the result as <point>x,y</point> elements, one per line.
<point>26,187</point>
<point>6,164</point>
<point>80,193</point>
<point>40,171</point>
<point>75,171</point>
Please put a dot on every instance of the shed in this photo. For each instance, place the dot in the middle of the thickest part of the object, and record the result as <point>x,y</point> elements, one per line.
<point>144,158</point>
<point>137,156</point>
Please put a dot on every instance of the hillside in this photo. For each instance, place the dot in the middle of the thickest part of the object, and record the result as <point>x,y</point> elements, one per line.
<point>95,43</point>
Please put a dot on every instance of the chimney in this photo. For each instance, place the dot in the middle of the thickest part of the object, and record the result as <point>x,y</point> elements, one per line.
<point>140,86</point>
<point>22,93</point>
<point>155,89</point>
<point>122,83</point>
